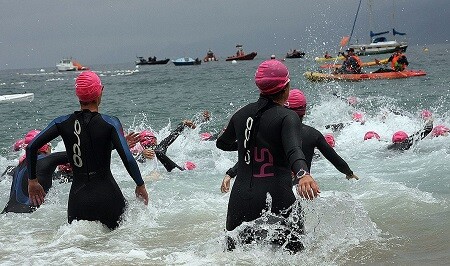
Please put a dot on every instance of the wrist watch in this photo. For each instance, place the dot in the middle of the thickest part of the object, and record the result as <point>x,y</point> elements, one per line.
<point>301,174</point>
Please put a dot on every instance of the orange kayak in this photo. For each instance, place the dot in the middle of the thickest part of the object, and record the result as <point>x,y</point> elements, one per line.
<point>317,76</point>
<point>364,64</point>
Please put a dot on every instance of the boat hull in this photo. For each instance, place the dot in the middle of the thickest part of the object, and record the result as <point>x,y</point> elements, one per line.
<point>378,48</point>
<point>17,97</point>
<point>317,76</point>
<point>249,56</point>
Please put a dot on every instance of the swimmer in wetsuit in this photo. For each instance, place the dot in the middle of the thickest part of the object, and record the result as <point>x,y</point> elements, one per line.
<point>89,138</point>
<point>311,139</point>
<point>269,150</point>
<point>401,141</point>
<point>46,164</point>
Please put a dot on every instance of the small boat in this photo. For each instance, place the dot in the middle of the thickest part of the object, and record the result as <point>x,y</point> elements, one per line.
<point>187,61</point>
<point>295,54</point>
<point>68,64</point>
<point>379,45</point>
<point>22,97</point>
<point>318,76</point>
<point>151,61</point>
<point>210,57</point>
<point>240,55</point>
<point>364,64</point>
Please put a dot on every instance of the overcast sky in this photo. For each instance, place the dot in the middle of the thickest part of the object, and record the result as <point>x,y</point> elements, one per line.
<point>38,33</point>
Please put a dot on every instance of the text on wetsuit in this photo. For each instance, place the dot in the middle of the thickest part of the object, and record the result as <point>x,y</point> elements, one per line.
<point>76,146</point>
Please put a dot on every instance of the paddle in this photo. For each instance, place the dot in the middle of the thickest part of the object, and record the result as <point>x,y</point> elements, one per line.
<point>342,44</point>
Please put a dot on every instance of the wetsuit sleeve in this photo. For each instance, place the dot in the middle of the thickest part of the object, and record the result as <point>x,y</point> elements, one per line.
<point>227,141</point>
<point>47,166</point>
<point>120,144</point>
<point>45,136</point>
<point>232,172</point>
<point>330,154</point>
<point>292,143</point>
<point>165,143</point>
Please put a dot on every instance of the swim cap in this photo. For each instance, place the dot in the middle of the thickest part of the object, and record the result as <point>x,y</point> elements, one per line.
<point>30,136</point>
<point>189,165</point>
<point>296,101</point>
<point>88,86</point>
<point>147,138</point>
<point>399,136</point>
<point>352,100</point>
<point>205,136</point>
<point>440,130</point>
<point>358,117</point>
<point>271,77</point>
<point>371,135</point>
<point>425,114</point>
<point>19,144</point>
<point>330,139</point>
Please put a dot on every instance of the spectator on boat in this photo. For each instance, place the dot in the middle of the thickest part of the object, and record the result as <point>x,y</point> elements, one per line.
<point>352,63</point>
<point>90,137</point>
<point>398,60</point>
<point>148,147</point>
<point>401,141</point>
<point>266,136</point>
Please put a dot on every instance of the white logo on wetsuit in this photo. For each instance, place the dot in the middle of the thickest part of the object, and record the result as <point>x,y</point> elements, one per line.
<point>76,146</point>
<point>249,125</point>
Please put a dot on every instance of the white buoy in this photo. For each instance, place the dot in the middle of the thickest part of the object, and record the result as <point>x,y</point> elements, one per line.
<point>42,70</point>
<point>234,62</point>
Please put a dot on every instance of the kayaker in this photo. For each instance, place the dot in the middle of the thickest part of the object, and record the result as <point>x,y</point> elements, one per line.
<point>398,60</point>
<point>352,63</point>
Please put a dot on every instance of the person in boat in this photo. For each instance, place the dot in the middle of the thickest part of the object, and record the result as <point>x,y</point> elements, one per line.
<point>90,137</point>
<point>19,201</point>
<point>401,141</point>
<point>265,134</point>
<point>398,60</point>
<point>327,55</point>
<point>148,147</point>
<point>312,139</point>
<point>352,63</point>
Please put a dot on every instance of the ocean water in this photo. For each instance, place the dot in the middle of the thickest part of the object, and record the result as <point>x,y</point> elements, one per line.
<point>397,213</point>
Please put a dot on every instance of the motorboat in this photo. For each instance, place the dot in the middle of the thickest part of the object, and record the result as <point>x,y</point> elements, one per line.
<point>240,55</point>
<point>20,97</point>
<point>295,54</point>
<point>68,64</point>
<point>186,61</point>
<point>151,61</point>
<point>210,56</point>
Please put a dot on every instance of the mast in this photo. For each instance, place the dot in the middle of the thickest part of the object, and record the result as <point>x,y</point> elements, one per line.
<point>354,22</point>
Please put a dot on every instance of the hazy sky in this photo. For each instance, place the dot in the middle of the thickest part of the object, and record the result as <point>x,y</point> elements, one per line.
<point>38,33</point>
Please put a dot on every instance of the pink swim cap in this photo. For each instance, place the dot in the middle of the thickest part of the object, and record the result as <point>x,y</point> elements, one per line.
<point>271,77</point>
<point>30,136</point>
<point>425,114</point>
<point>19,144</point>
<point>147,138</point>
<point>358,117</point>
<point>399,136</point>
<point>88,86</point>
<point>296,101</point>
<point>205,136</point>
<point>330,139</point>
<point>440,130</point>
<point>189,165</point>
<point>352,100</point>
<point>371,135</point>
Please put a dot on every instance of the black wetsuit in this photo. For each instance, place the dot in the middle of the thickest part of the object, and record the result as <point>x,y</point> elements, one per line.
<point>161,149</point>
<point>311,139</point>
<point>89,138</point>
<point>274,148</point>
<point>411,140</point>
<point>45,167</point>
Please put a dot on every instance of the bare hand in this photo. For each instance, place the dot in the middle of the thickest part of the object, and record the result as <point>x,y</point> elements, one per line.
<point>35,192</point>
<point>189,124</point>
<point>352,176</point>
<point>132,138</point>
<point>141,193</point>
<point>225,187</point>
<point>308,188</point>
<point>148,154</point>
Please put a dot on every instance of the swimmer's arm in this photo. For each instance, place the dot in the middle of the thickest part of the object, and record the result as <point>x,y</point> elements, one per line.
<point>292,143</point>
<point>227,140</point>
